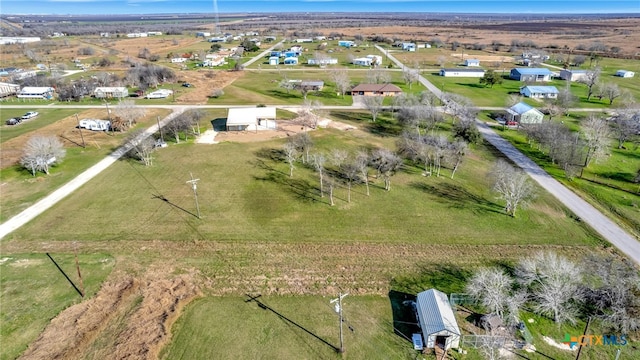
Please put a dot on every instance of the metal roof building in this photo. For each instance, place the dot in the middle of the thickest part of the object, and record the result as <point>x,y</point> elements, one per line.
<point>530,74</point>
<point>240,119</point>
<point>437,321</point>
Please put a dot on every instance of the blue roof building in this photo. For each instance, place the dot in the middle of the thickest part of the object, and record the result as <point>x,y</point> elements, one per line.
<point>525,114</point>
<point>539,92</point>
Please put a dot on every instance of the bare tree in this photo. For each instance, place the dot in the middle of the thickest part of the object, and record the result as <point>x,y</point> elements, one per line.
<point>441,60</point>
<point>319,161</point>
<point>626,125</point>
<point>374,105</point>
<point>565,99</point>
<point>140,146</point>
<point>291,155</point>
<point>287,85</point>
<point>378,76</point>
<point>596,133</point>
<point>340,78</point>
<point>456,152</point>
<point>386,163</point>
<point>494,290</point>
<point>362,163</point>
<point>42,152</point>
<point>552,109</point>
<point>303,145</point>
<point>410,76</point>
<point>553,283</point>
<point>590,79</point>
<point>610,91</point>
<point>128,111</point>
<point>512,185</point>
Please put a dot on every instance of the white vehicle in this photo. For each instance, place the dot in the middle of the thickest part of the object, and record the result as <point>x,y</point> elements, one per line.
<point>29,115</point>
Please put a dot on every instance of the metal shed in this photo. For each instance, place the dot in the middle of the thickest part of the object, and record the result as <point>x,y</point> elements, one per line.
<point>437,321</point>
<point>240,119</point>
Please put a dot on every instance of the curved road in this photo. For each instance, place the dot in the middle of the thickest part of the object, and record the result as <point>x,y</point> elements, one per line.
<point>609,230</point>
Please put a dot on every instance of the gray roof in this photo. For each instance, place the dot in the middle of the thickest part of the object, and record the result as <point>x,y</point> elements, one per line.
<point>435,313</point>
<point>463,70</point>
<point>533,71</point>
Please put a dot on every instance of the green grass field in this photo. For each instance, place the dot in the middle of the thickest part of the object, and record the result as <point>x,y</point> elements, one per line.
<point>46,117</point>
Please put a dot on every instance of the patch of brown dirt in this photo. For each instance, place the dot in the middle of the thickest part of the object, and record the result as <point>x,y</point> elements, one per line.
<point>204,81</point>
<point>73,333</point>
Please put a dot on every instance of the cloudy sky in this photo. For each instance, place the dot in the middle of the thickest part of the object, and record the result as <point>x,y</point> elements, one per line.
<point>230,6</point>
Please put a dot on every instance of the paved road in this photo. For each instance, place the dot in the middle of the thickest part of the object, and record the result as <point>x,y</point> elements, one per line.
<point>587,213</point>
<point>39,207</point>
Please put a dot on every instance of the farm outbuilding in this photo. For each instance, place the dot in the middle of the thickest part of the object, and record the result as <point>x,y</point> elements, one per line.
<point>322,61</point>
<point>524,114</point>
<point>365,61</point>
<point>7,89</point>
<point>457,72</point>
<point>241,119</point>
<point>111,92</point>
<point>34,92</point>
<point>346,43</point>
<point>376,90</point>
<point>291,61</point>
<point>530,74</point>
<point>572,75</point>
<point>539,92</point>
<point>625,73</point>
<point>471,62</point>
<point>408,46</point>
<point>437,321</point>
<point>274,60</point>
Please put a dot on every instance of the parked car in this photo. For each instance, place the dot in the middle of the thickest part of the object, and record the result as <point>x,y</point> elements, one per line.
<point>186,85</point>
<point>29,115</point>
<point>14,121</point>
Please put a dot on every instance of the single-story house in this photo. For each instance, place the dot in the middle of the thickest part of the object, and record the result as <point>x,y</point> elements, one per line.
<point>306,40</point>
<point>159,94</point>
<point>178,60</point>
<point>376,90</point>
<point>274,60</point>
<point>408,46</point>
<point>7,89</point>
<point>291,61</point>
<point>457,72</point>
<point>34,92</point>
<point>111,92</point>
<point>539,92</point>
<point>323,61</point>
<point>625,73</point>
<point>375,59</point>
<point>240,119</point>
<point>276,53</point>
<point>471,62</point>
<point>217,39</point>
<point>524,114</point>
<point>315,85</point>
<point>530,74</point>
<point>297,49</point>
<point>437,321</point>
<point>572,75</point>
<point>288,54</point>
<point>362,61</point>
<point>346,43</point>
<point>137,35</point>
<point>203,34</point>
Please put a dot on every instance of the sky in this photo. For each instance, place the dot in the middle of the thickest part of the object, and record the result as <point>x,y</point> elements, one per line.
<point>61,7</point>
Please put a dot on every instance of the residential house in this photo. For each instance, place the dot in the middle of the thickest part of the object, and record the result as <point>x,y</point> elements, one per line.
<point>530,74</point>
<point>297,49</point>
<point>35,92</point>
<point>376,90</point>
<point>178,60</point>
<point>375,59</point>
<point>437,320</point>
<point>288,54</point>
<point>159,94</point>
<point>314,85</point>
<point>306,40</point>
<point>458,72</point>
<point>539,92</point>
<point>111,92</point>
<point>290,61</point>
<point>241,119</point>
<point>471,62</point>
<point>322,61</point>
<point>277,53</point>
<point>346,43</point>
<point>137,35</point>
<point>362,61</point>
<point>408,46</point>
<point>572,75</point>
<point>625,73</point>
<point>203,34</point>
<point>524,114</point>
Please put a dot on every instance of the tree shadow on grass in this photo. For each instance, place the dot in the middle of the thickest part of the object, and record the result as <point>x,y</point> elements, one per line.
<point>384,127</point>
<point>458,198</point>
<point>477,86</point>
<point>447,278</point>
<point>301,189</point>
<point>283,95</point>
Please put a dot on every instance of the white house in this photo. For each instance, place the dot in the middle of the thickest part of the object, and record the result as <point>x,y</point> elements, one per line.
<point>362,61</point>
<point>437,321</point>
<point>137,35</point>
<point>154,33</point>
<point>7,89</point>
<point>525,114</point>
<point>178,60</point>
<point>159,94</point>
<point>408,46</point>
<point>458,72</point>
<point>111,92</point>
<point>322,61</point>
<point>539,92</point>
<point>258,118</point>
<point>33,92</point>
<point>4,40</point>
<point>625,73</point>
<point>306,40</point>
<point>375,59</point>
<point>572,75</point>
<point>274,60</point>
<point>471,62</point>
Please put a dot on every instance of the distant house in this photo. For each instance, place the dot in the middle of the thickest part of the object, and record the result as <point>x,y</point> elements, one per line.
<point>306,40</point>
<point>625,73</point>
<point>346,43</point>
<point>111,92</point>
<point>408,46</point>
<point>217,39</point>
<point>458,72</point>
<point>241,119</point>
<point>471,62</point>
<point>572,75</point>
<point>274,60</point>
<point>315,85</point>
<point>524,114</point>
<point>7,89</point>
<point>288,54</point>
<point>276,53</point>
<point>322,61</point>
<point>376,90</point>
<point>362,61</point>
<point>297,49</point>
<point>375,59</point>
<point>159,94</point>
<point>137,35</point>
<point>530,74</point>
<point>154,33</point>
<point>178,60</point>
<point>539,92</point>
<point>34,92</point>
<point>290,61</point>
<point>437,321</point>
<point>203,34</point>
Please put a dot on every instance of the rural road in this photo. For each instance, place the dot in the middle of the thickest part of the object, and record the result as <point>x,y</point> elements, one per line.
<point>609,230</point>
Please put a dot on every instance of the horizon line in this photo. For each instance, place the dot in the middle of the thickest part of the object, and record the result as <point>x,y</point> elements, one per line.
<point>600,13</point>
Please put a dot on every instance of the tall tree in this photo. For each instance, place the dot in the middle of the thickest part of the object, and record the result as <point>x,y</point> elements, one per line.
<point>494,290</point>
<point>626,125</point>
<point>140,146</point>
<point>42,152</point>
<point>590,79</point>
<point>374,105</point>
<point>319,161</point>
<point>410,76</point>
<point>128,111</point>
<point>512,185</point>
<point>491,78</point>
<point>303,144</point>
<point>290,155</point>
<point>340,78</point>
<point>386,163</point>
<point>362,163</point>
<point>378,76</point>
<point>596,134</point>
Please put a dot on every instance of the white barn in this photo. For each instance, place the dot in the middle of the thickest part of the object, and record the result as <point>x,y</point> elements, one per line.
<point>362,61</point>
<point>437,321</point>
<point>33,92</point>
<point>240,119</point>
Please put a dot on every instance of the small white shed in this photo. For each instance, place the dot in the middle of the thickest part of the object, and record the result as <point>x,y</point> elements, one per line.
<point>437,321</point>
<point>471,62</point>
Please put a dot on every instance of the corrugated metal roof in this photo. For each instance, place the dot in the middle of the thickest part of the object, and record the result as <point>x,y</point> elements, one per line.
<point>465,70</point>
<point>377,88</point>
<point>435,313</point>
<point>249,116</point>
<point>533,71</point>
<point>542,89</point>
<point>520,108</point>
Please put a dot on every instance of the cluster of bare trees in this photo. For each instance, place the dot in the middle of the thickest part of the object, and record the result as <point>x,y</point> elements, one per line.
<point>512,185</point>
<point>551,285</point>
<point>42,152</point>
<point>149,75</point>
<point>340,167</point>
<point>187,123</point>
<point>433,152</point>
<point>141,146</point>
<point>127,114</point>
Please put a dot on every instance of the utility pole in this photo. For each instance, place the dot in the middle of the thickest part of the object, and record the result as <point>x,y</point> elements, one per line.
<point>75,251</point>
<point>160,129</point>
<point>338,308</point>
<point>80,128</point>
<point>193,183</point>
